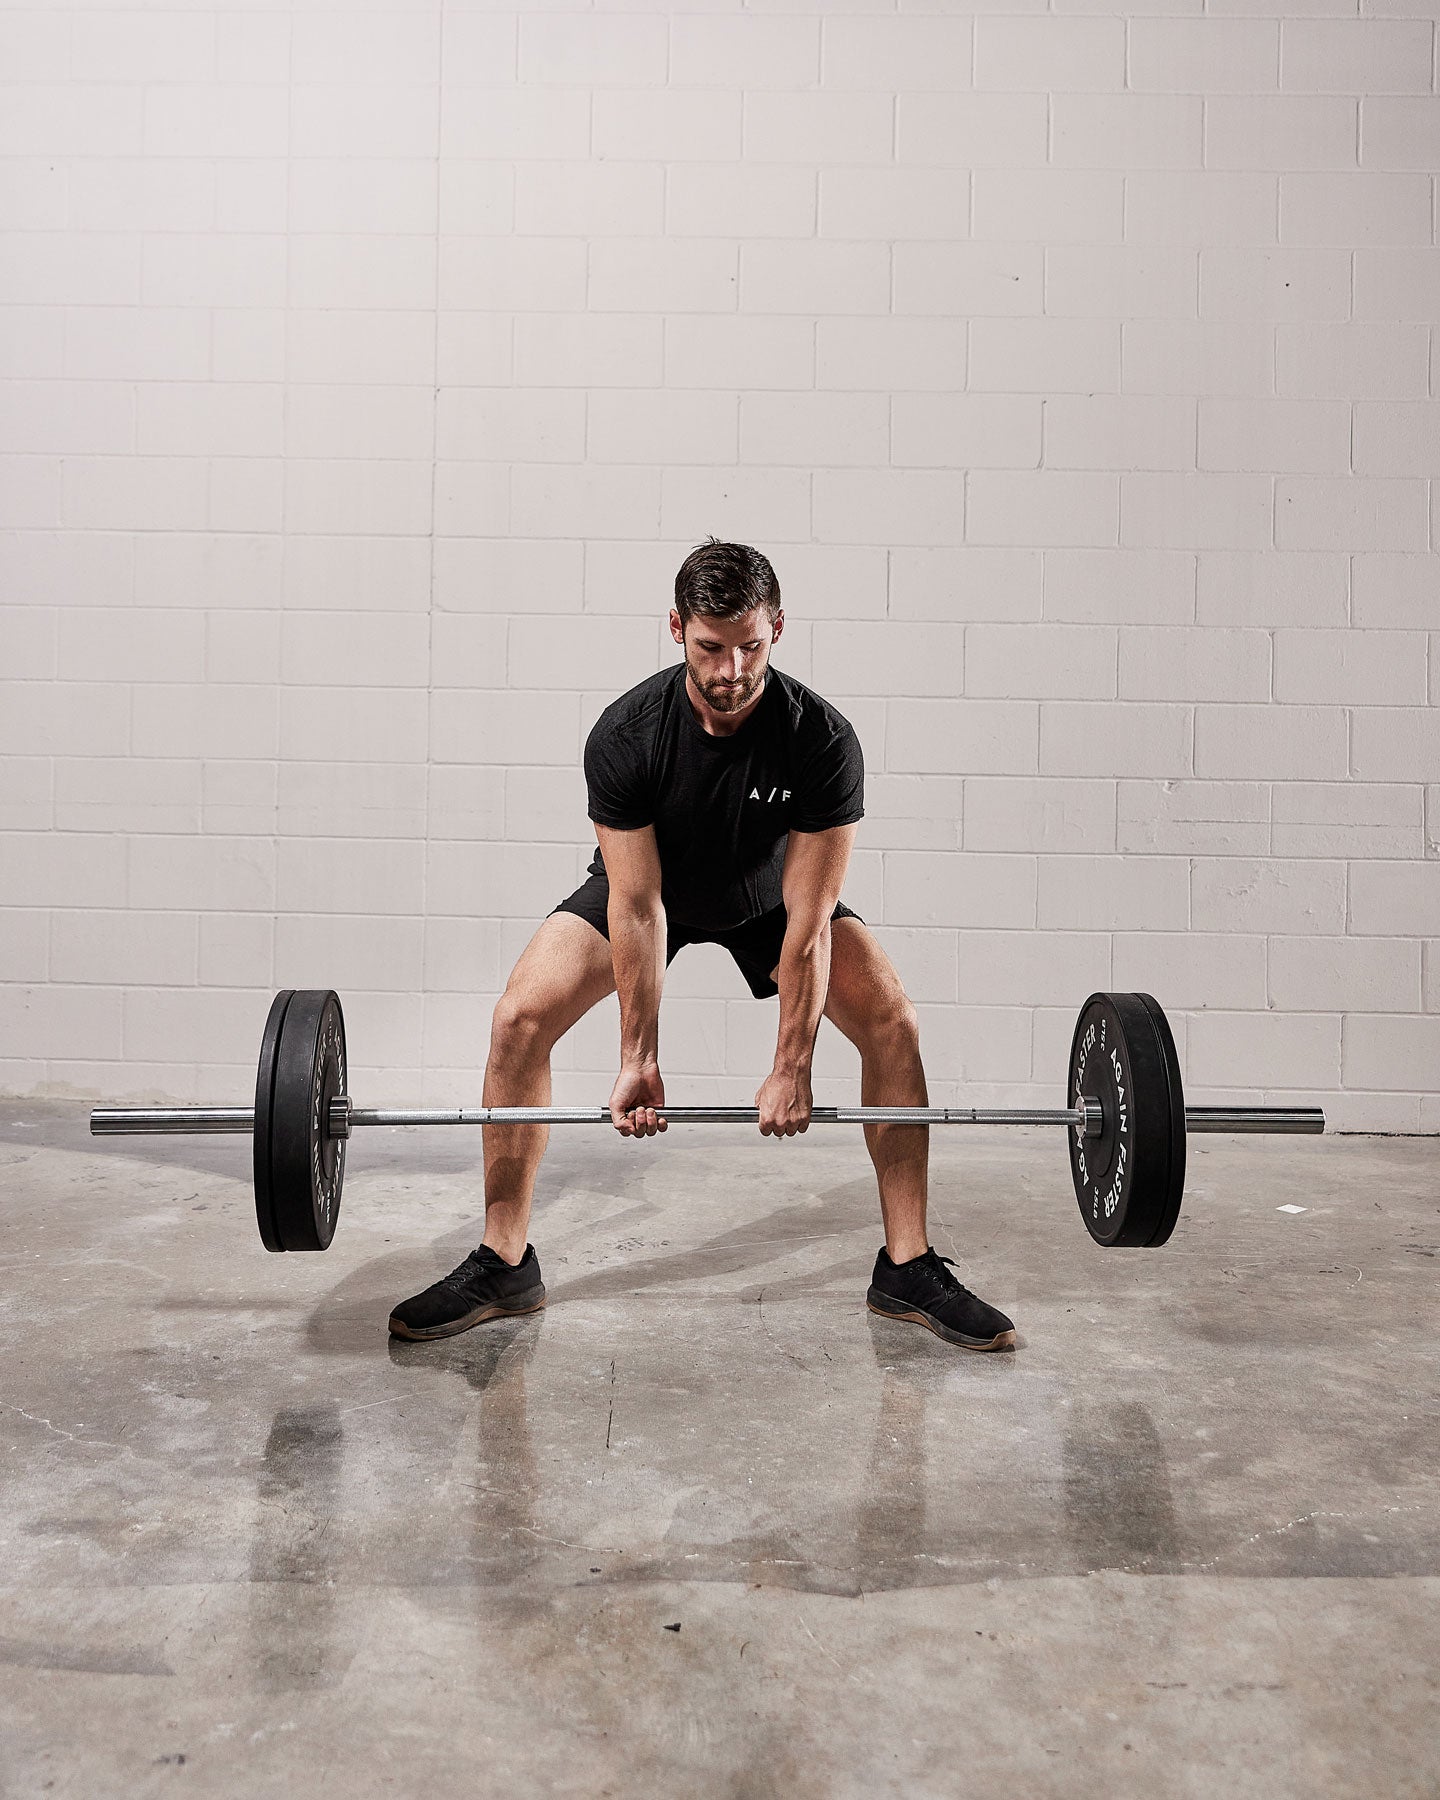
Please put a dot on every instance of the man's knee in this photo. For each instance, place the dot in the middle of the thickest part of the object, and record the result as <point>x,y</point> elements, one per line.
<point>890,1027</point>
<point>520,1031</point>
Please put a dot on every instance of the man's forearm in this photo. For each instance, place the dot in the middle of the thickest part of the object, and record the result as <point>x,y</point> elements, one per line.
<point>803,978</point>
<point>637,950</point>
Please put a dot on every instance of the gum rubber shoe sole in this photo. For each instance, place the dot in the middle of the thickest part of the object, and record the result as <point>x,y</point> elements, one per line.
<point>492,1309</point>
<point>1003,1340</point>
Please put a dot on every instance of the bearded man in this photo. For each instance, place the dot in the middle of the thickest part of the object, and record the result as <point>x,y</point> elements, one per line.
<point>725,797</point>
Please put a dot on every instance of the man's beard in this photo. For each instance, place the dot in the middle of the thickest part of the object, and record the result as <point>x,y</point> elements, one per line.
<point>721,698</point>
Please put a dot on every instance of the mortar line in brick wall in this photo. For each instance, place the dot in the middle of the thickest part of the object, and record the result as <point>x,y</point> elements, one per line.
<point>284,355</point>
<point>434,483</point>
<point>585,392</point>
<point>210,311</point>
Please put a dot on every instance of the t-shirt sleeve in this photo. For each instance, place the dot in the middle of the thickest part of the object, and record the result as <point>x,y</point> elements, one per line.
<point>618,793</point>
<point>832,788</point>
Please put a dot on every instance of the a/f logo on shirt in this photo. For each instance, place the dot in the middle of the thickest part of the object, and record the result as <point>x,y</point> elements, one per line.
<point>755,794</point>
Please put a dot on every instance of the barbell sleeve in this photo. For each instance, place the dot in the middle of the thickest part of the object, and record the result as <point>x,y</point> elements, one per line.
<point>1294,1120</point>
<point>120,1121</point>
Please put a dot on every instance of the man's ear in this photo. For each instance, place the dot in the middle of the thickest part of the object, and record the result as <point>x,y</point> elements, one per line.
<point>677,630</point>
<point>778,626</point>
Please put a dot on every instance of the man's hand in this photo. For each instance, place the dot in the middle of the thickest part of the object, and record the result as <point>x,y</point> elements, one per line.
<point>784,1100</point>
<point>637,1100</point>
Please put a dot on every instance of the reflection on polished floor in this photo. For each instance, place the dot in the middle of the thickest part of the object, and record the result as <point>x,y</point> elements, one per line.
<point>705,1526</point>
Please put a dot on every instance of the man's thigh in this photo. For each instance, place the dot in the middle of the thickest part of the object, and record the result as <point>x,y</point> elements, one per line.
<point>563,971</point>
<point>865,988</point>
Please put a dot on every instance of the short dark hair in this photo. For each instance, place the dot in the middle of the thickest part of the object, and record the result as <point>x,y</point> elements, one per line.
<point>725,581</point>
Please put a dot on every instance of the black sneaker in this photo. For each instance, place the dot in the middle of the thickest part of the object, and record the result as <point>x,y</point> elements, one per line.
<point>484,1287</point>
<point>924,1291</point>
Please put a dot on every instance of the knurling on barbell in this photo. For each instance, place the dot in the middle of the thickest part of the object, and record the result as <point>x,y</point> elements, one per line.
<point>1126,1117</point>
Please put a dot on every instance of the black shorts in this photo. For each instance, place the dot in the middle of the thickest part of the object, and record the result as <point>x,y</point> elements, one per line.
<point>755,945</point>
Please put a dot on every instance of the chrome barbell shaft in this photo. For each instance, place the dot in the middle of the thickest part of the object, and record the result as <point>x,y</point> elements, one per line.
<point>720,1115</point>
<point>117,1121</point>
<point>122,1121</point>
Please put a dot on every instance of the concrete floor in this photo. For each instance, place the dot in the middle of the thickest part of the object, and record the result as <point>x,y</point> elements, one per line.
<point>1185,1541</point>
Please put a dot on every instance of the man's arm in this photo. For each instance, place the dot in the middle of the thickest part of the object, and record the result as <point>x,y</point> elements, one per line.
<point>636,920</point>
<point>814,873</point>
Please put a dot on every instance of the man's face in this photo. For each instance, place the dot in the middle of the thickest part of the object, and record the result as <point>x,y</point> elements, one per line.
<point>726,659</point>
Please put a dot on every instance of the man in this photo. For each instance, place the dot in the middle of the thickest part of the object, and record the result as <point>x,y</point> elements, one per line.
<point>725,797</point>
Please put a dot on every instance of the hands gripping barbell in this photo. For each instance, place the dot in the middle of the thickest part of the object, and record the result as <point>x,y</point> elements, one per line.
<point>1126,1118</point>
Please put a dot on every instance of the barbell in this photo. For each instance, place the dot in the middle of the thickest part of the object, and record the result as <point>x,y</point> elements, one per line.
<point>1127,1119</point>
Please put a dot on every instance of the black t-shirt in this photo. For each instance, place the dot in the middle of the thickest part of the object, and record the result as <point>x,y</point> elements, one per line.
<point>722,806</point>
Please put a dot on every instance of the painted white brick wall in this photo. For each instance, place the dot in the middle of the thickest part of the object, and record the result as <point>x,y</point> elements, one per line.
<point>366,370</point>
